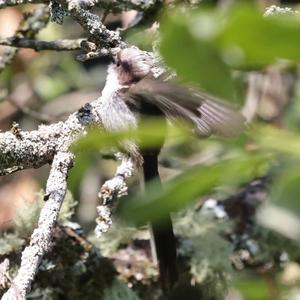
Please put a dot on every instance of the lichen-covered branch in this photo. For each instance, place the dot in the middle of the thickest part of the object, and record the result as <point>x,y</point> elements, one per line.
<point>41,238</point>
<point>58,45</point>
<point>24,149</point>
<point>28,28</point>
<point>277,10</point>
<point>112,6</point>
<point>92,24</point>
<point>115,187</point>
<point>105,40</point>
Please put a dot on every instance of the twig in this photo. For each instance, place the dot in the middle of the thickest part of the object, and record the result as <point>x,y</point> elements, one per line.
<point>11,170</point>
<point>41,238</point>
<point>93,54</point>
<point>92,24</point>
<point>104,15</point>
<point>113,188</point>
<point>58,45</point>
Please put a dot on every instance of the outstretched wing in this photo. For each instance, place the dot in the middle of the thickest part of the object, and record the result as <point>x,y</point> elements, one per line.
<point>208,114</point>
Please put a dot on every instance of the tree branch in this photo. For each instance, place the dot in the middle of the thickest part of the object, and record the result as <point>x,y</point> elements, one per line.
<point>112,6</point>
<point>92,24</point>
<point>8,3</point>
<point>58,45</point>
<point>41,238</point>
<point>23,149</point>
<point>115,187</point>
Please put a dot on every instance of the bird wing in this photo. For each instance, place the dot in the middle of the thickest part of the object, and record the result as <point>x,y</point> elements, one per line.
<point>208,114</point>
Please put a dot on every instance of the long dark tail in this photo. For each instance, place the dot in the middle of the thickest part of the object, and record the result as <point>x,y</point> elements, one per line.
<point>162,232</point>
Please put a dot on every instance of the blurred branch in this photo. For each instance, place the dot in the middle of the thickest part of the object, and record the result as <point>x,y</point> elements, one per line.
<point>253,96</point>
<point>28,28</point>
<point>58,45</point>
<point>41,239</point>
<point>8,3</point>
<point>33,114</point>
<point>269,93</point>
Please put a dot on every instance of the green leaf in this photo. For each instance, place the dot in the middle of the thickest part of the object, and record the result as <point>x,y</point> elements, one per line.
<point>77,172</point>
<point>271,138</point>
<point>203,46</point>
<point>150,133</point>
<point>285,190</point>
<point>187,46</point>
<point>252,288</point>
<point>188,186</point>
<point>250,39</point>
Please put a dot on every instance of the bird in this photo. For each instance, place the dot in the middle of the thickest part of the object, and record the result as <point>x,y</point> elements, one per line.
<point>137,86</point>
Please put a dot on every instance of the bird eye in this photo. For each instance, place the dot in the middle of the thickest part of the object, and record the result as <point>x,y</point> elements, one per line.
<point>118,63</point>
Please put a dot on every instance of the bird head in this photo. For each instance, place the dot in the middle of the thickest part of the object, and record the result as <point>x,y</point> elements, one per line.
<point>132,65</point>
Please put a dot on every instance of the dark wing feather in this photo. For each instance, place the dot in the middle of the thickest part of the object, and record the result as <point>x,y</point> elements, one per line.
<point>208,114</point>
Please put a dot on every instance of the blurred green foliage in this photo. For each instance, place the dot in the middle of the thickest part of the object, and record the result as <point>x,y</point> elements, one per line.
<point>252,288</point>
<point>190,185</point>
<point>213,42</point>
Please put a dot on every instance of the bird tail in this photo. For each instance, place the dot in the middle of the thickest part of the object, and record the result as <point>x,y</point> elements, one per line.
<point>165,249</point>
<point>163,238</point>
